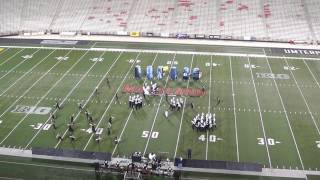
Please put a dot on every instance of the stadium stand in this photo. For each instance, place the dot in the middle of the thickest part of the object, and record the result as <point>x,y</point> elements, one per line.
<point>273,20</point>
<point>107,16</point>
<point>195,17</point>
<point>37,15</point>
<point>286,20</point>
<point>71,15</point>
<point>313,7</point>
<point>152,17</point>
<point>10,14</point>
<point>241,18</point>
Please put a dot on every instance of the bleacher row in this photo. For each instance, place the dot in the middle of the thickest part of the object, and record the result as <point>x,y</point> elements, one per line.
<point>280,20</point>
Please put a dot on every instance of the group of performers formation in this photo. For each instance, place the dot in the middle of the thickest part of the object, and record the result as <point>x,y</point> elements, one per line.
<point>135,101</point>
<point>176,103</point>
<point>204,122</point>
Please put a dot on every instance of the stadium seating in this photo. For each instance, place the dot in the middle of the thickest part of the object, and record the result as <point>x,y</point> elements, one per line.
<point>71,15</point>
<point>241,18</point>
<point>108,16</point>
<point>286,20</point>
<point>37,15</point>
<point>313,7</point>
<point>10,14</point>
<point>195,17</point>
<point>283,20</point>
<point>151,17</point>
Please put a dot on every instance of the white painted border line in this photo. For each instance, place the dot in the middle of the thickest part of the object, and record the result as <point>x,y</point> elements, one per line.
<point>260,114</point>
<point>69,93</point>
<point>125,125</point>
<point>234,109</point>
<point>35,83</point>
<point>183,108</point>
<point>109,105</point>
<point>92,93</point>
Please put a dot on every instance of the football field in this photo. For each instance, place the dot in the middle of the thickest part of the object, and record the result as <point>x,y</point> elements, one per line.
<point>267,109</point>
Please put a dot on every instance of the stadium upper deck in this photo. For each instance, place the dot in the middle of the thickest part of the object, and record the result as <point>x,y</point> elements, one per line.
<point>286,20</point>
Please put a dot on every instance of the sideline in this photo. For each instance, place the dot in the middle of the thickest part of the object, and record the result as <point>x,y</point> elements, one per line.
<point>165,52</point>
<point>102,39</point>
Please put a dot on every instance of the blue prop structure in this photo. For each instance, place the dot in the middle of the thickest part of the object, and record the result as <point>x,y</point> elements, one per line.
<point>186,72</point>
<point>196,74</point>
<point>137,72</point>
<point>160,72</point>
<point>149,72</point>
<point>173,73</point>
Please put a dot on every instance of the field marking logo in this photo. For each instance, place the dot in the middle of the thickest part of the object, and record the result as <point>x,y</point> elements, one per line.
<point>28,56</point>
<point>291,68</point>
<point>154,134</point>
<point>212,138</point>
<point>247,66</point>
<point>62,58</point>
<point>208,64</point>
<point>270,141</point>
<point>132,61</point>
<point>42,126</point>
<point>272,76</point>
<point>96,59</point>
<point>174,62</point>
<point>31,110</point>
<point>89,131</point>
<point>1,49</point>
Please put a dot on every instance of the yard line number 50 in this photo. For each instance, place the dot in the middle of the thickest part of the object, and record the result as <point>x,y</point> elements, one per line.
<point>154,134</point>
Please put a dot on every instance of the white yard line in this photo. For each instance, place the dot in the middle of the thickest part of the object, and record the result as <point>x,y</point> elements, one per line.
<point>209,106</point>
<point>125,125</point>
<point>24,95</point>
<point>260,114</point>
<point>1,52</point>
<point>155,117</point>
<point>304,99</point>
<point>17,65</point>
<point>30,70</point>
<point>183,108</point>
<point>92,93</point>
<point>234,110</point>
<point>114,96</point>
<point>69,93</point>
<point>287,117</point>
<point>315,79</point>
<point>11,57</point>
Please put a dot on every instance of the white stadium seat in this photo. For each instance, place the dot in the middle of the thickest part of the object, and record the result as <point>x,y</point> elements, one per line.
<point>283,20</point>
